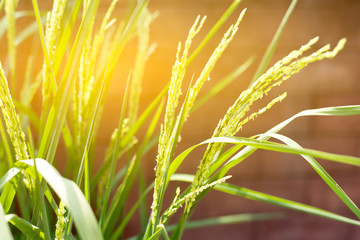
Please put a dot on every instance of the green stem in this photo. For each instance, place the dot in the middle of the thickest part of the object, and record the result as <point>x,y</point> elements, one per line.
<point>271,48</point>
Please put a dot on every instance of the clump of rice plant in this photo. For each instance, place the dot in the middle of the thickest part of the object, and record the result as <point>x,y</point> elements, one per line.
<point>79,54</point>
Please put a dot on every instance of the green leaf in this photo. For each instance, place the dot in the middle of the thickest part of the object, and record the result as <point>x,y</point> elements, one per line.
<point>74,199</point>
<point>9,192</point>
<point>57,114</point>
<point>4,227</point>
<point>263,197</point>
<point>323,174</point>
<point>29,230</point>
<point>277,147</point>
<point>271,48</point>
<point>230,219</point>
<point>8,176</point>
<point>329,111</point>
<point>124,190</point>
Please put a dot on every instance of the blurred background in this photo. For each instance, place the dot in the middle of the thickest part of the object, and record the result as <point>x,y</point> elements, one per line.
<point>322,84</point>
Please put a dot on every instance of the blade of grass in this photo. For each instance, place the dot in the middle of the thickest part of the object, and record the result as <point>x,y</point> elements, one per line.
<point>133,130</point>
<point>29,112</point>
<point>43,43</point>
<point>143,211</point>
<point>271,48</point>
<point>10,8</point>
<point>258,196</point>
<point>75,201</point>
<point>222,84</point>
<point>329,111</point>
<point>226,220</point>
<point>267,198</point>
<point>56,117</point>
<point>118,46</point>
<point>230,219</point>
<point>12,172</point>
<point>94,119</point>
<point>67,28</point>
<point>118,204</point>
<point>29,230</point>
<point>322,173</point>
<point>272,146</point>
<point>176,133</point>
<point>9,192</point>
<point>113,157</point>
<point>127,218</point>
<point>4,227</point>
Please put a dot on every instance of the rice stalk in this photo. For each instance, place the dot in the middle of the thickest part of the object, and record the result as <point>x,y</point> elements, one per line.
<point>143,48</point>
<point>178,202</point>
<point>83,88</point>
<point>167,135</point>
<point>53,23</point>
<point>205,73</point>
<point>231,123</point>
<point>12,120</point>
<point>166,132</point>
<point>10,7</point>
<point>61,220</point>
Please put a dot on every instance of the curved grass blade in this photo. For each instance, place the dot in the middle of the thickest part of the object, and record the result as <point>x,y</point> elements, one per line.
<point>4,227</point>
<point>226,220</point>
<point>272,146</point>
<point>263,197</point>
<point>271,48</point>
<point>84,218</point>
<point>267,198</point>
<point>230,219</point>
<point>323,174</point>
<point>328,111</point>
<point>29,230</point>
<point>9,192</point>
<point>8,176</point>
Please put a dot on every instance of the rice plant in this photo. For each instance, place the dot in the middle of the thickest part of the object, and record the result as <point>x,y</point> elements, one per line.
<point>80,51</point>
